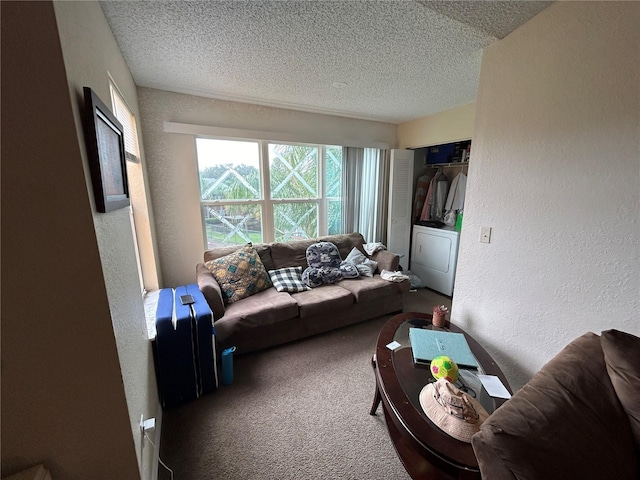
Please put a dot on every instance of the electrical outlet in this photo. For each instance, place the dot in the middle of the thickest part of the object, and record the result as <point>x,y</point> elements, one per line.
<point>145,426</point>
<point>148,425</point>
<point>142,430</point>
<point>485,234</point>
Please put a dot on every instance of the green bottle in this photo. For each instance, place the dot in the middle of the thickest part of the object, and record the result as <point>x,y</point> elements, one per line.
<point>459,221</point>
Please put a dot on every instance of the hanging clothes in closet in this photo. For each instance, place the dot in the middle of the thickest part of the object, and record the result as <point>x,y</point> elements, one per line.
<point>434,204</point>
<point>422,187</point>
<point>455,199</point>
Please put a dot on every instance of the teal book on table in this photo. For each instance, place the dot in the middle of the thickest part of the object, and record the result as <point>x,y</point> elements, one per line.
<point>429,344</point>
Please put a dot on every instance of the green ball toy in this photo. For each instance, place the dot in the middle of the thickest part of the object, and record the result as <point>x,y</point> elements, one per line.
<point>444,367</point>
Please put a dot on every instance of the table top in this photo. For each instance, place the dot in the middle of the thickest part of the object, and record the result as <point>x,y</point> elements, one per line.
<point>400,381</point>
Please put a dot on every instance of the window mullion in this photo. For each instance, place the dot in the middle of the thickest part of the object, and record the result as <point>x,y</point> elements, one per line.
<point>268,228</point>
<point>322,194</point>
<point>205,238</point>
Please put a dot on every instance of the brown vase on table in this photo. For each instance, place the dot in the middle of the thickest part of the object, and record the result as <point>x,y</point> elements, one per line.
<point>438,319</point>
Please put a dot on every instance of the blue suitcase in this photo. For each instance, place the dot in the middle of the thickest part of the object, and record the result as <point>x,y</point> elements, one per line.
<point>204,339</point>
<point>176,357</point>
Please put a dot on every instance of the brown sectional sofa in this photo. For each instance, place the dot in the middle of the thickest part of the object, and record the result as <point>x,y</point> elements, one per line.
<point>577,418</point>
<point>270,318</point>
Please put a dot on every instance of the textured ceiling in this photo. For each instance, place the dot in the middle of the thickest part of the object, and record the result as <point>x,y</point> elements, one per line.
<point>392,60</point>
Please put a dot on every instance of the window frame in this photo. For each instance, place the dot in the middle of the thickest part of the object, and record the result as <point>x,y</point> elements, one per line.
<point>130,133</point>
<point>267,203</point>
<point>128,120</point>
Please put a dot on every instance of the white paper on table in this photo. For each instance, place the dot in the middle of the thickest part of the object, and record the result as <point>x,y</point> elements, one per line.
<point>494,387</point>
<point>393,345</point>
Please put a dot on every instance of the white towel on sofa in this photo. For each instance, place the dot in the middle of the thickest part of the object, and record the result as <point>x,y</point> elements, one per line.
<point>393,276</point>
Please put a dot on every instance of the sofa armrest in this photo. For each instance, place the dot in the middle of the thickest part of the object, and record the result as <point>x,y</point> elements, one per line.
<point>210,289</point>
<point>386,260</point>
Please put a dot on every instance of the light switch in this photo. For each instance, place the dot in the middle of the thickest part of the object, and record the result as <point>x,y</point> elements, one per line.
<point>485,234</point>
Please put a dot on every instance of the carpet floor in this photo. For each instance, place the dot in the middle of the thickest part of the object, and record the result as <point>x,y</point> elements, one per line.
<point>297,411</point>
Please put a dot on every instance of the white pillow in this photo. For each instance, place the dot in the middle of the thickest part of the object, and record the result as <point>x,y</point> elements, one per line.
<point>366,267</point>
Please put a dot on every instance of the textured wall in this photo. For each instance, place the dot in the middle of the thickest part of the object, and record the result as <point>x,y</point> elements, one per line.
<point>172,169</point>
<point>91,54</point>
<point>555,170</point>
<point>63,398</point>
<point>444,127</point>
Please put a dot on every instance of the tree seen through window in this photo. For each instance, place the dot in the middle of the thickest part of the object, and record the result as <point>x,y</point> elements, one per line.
<point>233,204</point>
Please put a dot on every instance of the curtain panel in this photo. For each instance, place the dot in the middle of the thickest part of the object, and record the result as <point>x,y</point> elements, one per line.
<point>365,188</point>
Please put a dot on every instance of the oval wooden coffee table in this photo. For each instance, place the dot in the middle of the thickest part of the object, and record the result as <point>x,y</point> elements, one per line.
<point>425,450</point>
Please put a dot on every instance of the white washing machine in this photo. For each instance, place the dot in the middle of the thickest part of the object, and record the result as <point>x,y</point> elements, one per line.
<point>434,254</point>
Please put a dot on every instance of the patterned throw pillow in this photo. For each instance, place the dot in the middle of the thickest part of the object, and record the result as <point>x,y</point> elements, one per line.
<point>324,265</point>
<point>315,277</point>
<point>323,255</point>
<point>239,274</point>
<point>288,279</point>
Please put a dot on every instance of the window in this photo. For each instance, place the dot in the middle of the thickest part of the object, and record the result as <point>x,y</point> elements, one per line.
<point>230,192</point>
<point>132,152</point>
<point>123,113</point>
<point>258,191</point>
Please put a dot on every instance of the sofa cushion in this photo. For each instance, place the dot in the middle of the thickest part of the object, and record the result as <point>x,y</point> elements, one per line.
<point>365,289</point>
<point>290,254</point>
<point>323,300</point>
<point>345,242</point>
<point>622,357</point>
<point>266,307</point>
<point>565,423</point>
<point>240,274</point>
<point>288,279</point>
